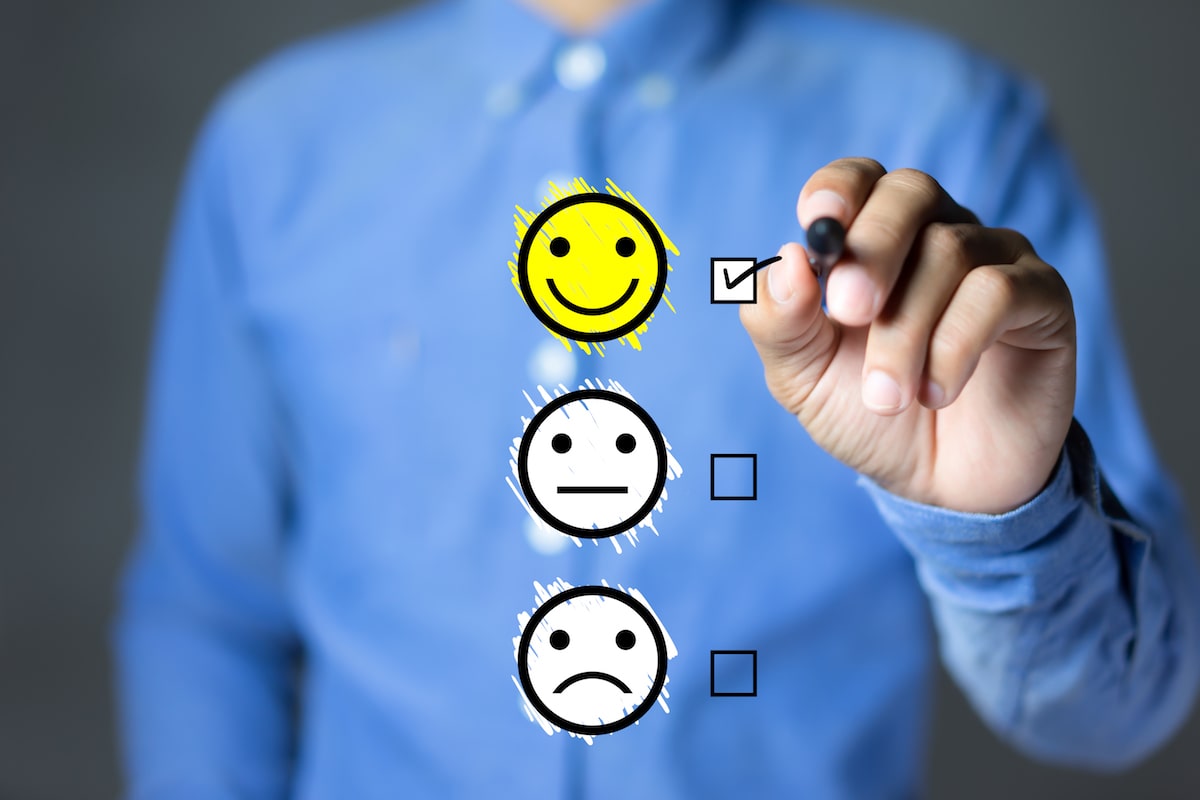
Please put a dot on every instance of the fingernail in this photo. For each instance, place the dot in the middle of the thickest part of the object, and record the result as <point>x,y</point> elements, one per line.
<point>934,395</point>
<point>823,203</point>
<point>880,391</point>
<point>851,295</point>
<point>778,284</point>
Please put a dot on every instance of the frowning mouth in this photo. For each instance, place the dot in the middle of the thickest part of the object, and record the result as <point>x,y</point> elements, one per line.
<point>592,312</point>
<point>583,676</point>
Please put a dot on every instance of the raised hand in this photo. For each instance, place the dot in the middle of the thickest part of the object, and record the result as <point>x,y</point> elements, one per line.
<point>945,367</point>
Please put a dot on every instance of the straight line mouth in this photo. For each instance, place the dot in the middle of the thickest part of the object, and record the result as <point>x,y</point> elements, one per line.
<point>583,676</point>
<point>592,312</point>
<point>593,490</point>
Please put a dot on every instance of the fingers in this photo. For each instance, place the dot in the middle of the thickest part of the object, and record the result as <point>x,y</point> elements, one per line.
<point>883,213</point>
<point>1026,305</point>
<point>898,339</point>
<point>793,336</point>
<point>838,190</point>
<point>935,287</point>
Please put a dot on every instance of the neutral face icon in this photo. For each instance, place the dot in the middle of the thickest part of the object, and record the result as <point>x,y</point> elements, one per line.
<point>592,267</point>
<point>592,660</point>
<point>592,463</point>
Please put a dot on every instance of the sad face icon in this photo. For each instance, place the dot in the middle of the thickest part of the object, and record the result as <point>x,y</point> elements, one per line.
<point>592,660</point>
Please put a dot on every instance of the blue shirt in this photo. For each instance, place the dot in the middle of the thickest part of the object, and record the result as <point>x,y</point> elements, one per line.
<point>340,369</point>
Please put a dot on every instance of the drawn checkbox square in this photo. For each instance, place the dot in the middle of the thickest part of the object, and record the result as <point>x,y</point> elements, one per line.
<point>733,270</point>
<point>733,476</point>
<point>733,673</point>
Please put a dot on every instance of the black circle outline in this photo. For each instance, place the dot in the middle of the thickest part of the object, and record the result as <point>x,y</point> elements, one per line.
<point>660,478</point>
<point>660,250</point>
<point>660,643</point>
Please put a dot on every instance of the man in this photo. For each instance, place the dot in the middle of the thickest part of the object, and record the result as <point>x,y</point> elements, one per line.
<point>326,587</point>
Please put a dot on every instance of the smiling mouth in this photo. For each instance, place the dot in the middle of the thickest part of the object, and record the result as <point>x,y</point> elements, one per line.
<point>583,676</point>
<point>592,312</point>
<point>593,490</point>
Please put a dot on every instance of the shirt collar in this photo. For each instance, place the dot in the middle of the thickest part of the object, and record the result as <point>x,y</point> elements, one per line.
<point>512,43</point>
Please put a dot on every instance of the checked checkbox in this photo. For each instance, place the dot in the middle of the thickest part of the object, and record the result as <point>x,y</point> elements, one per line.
<point>733,279</point>
<point>733,476</point>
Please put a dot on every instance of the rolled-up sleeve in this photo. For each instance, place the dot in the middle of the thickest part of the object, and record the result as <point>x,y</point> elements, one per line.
<point>1073,622</point>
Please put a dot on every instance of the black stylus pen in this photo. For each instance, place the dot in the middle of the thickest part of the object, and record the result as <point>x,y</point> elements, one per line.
<point>826,239</point>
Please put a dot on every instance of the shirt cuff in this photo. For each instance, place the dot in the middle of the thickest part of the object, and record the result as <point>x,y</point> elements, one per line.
<point>921,527</point>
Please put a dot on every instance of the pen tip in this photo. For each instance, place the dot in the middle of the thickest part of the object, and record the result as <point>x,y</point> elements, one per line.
<point>826,236</point>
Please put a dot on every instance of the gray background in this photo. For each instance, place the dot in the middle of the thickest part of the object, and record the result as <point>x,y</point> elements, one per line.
<point>98,103</point>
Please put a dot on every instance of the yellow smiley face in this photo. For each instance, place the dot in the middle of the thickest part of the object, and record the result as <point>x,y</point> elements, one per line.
<point>592,267</point>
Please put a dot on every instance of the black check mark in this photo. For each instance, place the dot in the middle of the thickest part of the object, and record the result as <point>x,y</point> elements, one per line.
<point>755,267</point>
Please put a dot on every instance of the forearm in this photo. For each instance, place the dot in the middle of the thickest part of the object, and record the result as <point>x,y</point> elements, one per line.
<point>1073,631</point>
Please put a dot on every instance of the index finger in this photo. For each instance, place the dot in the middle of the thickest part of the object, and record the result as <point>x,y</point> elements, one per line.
<point>838,190</point>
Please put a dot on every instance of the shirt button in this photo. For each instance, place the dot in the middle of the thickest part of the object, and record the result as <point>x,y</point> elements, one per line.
<point>405,346</point>
<point>503,99</point>
<point>551,364</point>
<point>559,179</point>
<point>546,541</point>
<point>580,65</point>
<point>655,91</point>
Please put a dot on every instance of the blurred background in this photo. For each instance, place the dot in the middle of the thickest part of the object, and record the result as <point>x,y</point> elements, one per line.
<point>98,105</point>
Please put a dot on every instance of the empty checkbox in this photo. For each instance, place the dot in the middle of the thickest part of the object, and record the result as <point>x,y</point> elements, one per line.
<point>733,476</point>
<point>733,673</point>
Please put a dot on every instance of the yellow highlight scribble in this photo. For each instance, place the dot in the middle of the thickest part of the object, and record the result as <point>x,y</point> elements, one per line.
<point>571,282</point>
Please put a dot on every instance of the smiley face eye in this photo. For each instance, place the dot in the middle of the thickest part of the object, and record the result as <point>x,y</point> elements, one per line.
<point>560,247</point>
<point>561,443</point>
<point>625,247</point>
<point>560,639</point>
<point>626,443</point>
<point>625,639</point>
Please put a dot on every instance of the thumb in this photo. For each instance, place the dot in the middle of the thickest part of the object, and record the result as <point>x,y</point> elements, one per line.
<point>794,338</point>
